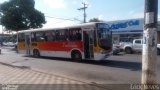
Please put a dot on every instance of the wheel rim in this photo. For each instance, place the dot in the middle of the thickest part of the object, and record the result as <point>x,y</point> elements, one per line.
<point>77,56</point>
<point>36,53</point>
<point>158,52</point>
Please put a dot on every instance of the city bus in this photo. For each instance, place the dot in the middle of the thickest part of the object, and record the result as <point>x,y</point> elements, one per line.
<point>91,41</point>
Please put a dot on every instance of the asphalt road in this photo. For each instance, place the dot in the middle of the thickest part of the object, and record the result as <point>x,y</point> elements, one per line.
<point>121,69</point>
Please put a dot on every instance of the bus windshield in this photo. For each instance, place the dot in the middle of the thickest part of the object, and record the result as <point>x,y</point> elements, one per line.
<point>104,36</point>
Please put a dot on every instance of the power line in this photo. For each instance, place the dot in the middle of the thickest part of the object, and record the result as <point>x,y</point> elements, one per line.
<point>84,11</point>
<point>64,18</point>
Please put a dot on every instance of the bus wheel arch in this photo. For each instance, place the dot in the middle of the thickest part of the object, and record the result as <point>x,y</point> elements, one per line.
<point>36,53</point>
<point>76,55</point>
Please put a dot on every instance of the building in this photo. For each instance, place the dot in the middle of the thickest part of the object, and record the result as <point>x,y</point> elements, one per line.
<point>127,30</point>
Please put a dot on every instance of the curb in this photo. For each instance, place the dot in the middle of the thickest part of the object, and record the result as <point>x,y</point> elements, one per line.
<point>14,66</point>
<point>36,70</point>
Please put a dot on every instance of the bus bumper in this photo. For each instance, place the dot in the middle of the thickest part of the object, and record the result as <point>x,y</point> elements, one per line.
<point>102,56</point>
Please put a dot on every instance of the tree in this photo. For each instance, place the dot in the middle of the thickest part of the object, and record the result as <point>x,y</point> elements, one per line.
<point>95,20</point>
<point>18,15</point>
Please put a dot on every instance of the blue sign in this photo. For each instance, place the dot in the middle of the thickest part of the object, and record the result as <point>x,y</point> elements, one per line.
<point>124,24</point>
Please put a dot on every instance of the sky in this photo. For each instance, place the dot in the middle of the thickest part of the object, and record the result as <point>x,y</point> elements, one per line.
<point>58,12</point>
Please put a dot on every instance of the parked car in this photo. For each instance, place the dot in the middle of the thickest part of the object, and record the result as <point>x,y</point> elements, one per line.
<point>136,46</point>
<point>0,51</point>
<point>158,49</point>
<point>11,44</point>
<point>116,49</point>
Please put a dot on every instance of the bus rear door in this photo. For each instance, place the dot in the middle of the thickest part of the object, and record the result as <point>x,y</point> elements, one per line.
<point>27,43</point>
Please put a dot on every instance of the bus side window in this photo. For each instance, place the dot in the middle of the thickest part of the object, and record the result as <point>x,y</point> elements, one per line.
<point>50,36</point>
<point>79,34</point>
<point>75,34</point>
<point>33,37</point>
<point>70,35</point>
<point>40,36</point>
<point>57,35</point>
<point>62,35</point>
<point>47,36</point>
<point>67,34</point>
<point>53,35</point>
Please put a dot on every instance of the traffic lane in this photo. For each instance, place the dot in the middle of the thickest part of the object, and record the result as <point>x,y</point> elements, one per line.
<point>117,69</point>
<point>110,71</point>
<point>137,58</point>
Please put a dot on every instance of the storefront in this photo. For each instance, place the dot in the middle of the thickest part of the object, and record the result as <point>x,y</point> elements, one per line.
<point>126,30</point>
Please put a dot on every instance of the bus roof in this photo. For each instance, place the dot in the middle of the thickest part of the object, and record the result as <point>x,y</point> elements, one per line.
<point>73,26</point>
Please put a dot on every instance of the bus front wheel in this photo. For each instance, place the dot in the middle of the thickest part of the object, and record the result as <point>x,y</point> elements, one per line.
<point>36,53</point>
<point>76,55</point>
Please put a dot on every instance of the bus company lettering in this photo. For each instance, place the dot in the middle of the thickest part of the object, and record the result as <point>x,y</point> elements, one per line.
<point>124,24</point>
<point>70,44</point>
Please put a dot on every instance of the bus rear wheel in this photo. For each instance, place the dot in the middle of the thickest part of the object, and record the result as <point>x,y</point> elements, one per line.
<point>76,55</point>
<point>36,53</point>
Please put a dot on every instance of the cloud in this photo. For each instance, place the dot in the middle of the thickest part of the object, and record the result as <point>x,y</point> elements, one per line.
<point>100,17</point>
<point>86,1</point>
<point>55,3</point>
<point>114,18</point>
<point>133,14</point>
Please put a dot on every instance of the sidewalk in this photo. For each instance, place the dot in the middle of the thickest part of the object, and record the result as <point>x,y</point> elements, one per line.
<point>26,79</point>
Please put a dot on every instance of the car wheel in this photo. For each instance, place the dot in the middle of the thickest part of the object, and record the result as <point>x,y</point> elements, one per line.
<point>115,53</point>
<point>158,51</point>
<point>128,50</point>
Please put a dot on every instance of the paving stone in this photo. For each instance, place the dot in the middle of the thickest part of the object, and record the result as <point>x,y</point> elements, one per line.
<point>26,79</point>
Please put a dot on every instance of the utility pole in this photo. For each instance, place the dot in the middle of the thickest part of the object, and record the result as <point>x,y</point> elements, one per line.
<point>84,11</point>
<point>149,56</point>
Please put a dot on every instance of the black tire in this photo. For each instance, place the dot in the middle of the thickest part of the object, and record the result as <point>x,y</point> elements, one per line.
<point>76,55</point>
<point>115,53</point>
<point>158,51</point>
<point>36,53</point>
<point>128,50</point>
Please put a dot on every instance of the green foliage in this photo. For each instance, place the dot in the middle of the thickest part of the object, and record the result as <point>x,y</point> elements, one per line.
<point>20,14</point>
<point>95,20</point>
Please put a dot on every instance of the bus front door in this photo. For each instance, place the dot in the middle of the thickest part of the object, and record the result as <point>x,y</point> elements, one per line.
<point>88,44</point>
<point>27,44</point>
